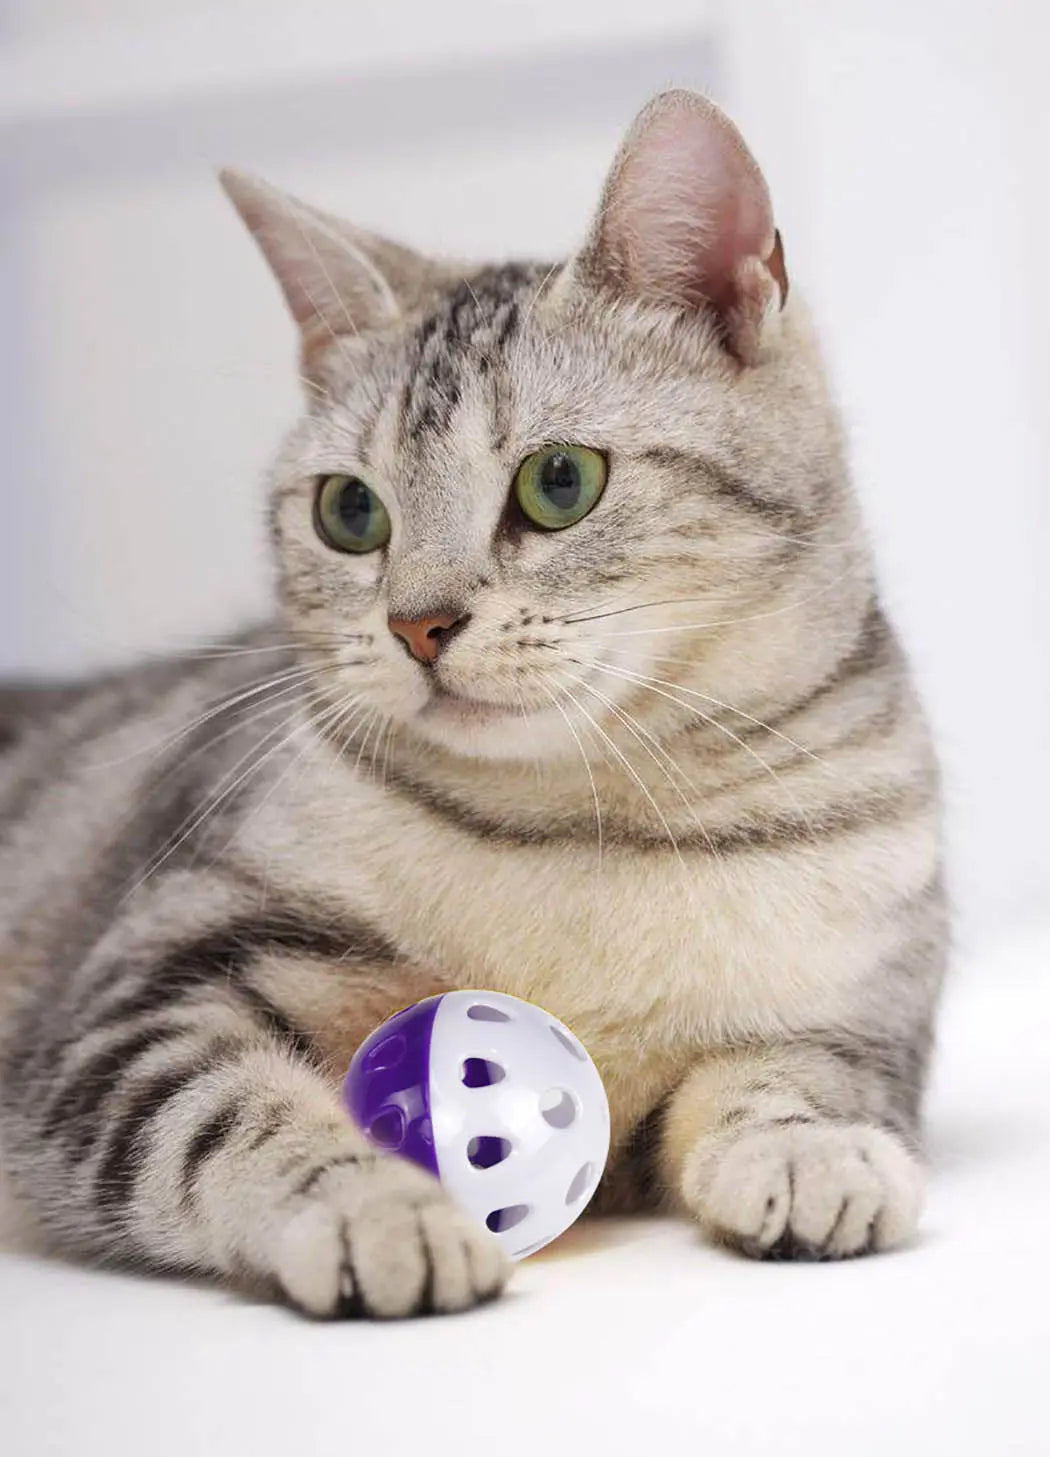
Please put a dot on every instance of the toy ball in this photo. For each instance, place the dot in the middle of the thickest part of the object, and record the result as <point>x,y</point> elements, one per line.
<point>498,1100</point>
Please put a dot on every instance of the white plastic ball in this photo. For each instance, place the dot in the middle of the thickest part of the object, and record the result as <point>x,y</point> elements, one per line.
<point>520,1117</point>
<point>495,1097</point>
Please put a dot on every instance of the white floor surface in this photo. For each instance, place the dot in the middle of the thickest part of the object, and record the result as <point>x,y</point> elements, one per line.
<point>622,1338</point>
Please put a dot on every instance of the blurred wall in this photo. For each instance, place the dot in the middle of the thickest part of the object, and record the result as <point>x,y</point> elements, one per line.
<point>146,363</point>
<point>912,137</point>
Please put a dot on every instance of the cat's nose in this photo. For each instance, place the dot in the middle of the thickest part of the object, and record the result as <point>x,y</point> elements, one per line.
<point>426,637</point>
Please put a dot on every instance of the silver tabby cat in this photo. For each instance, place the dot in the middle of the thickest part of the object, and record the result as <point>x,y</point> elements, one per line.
<point>580,689</point>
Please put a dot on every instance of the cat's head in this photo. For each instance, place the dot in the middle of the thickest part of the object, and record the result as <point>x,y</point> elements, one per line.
<point>517,491</point>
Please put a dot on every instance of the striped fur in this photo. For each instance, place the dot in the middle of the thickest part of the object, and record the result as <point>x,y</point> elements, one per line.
<point>677,788</point>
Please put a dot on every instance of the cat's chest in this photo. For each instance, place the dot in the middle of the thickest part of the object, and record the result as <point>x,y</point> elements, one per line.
<point>649,956</point>
<point>635,945</point>
<point>612,947</point>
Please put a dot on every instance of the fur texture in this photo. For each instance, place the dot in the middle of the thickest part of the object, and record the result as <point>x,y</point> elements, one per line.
<point>667,777</point>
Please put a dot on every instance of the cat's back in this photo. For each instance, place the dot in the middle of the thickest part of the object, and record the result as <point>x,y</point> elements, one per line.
<point>98,777</point>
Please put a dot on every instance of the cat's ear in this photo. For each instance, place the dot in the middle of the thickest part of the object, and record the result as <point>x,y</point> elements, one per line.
<point>686,218</point>
<point>337,279</point>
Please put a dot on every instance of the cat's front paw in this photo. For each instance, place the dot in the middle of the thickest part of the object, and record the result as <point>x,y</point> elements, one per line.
<point>378,1238</point>
<point>806,1191</point>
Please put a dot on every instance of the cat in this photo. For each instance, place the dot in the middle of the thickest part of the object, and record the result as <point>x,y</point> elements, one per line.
<point>579,689</point>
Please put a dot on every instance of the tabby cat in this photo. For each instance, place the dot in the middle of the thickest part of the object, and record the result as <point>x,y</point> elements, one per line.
<point>579,689</point>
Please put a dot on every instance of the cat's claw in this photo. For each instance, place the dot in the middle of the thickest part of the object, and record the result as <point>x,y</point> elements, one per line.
<point>385,1244</point>
<point>818,1190</point>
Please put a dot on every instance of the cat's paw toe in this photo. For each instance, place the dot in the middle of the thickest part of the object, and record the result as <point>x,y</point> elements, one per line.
<point>807,1191</point>
<point>384,1244</point>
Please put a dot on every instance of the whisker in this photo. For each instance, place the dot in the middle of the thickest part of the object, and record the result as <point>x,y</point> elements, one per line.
<point>312,724</point>
<point>384,725</point>
<point>296,676</point>
<point>633,607</point>
<point>354,725</point>
<point>272,705</point>
<point>642,734</point>
<point>706,718</point>
<point>214,799</point>
<point>643,678</point>
<point>537,768</point>
<point>529,310</point>
<point>235,650</point>
<point>590,773</point>
<point>629,768</point>
<point>731,621</point>
<point>391,735</point>
<point>374,718</point>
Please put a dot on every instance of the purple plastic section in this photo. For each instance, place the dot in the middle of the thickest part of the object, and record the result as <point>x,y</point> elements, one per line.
<point>388,1085</point>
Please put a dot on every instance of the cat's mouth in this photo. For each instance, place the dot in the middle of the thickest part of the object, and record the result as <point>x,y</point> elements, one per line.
<point>451,705</point>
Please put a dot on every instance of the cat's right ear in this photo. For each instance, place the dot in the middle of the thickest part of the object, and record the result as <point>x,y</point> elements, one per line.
<point>337,280</point>
<point>686,220</point>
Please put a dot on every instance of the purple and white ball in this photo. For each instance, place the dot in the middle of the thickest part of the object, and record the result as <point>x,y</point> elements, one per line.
<point>498,1100</point>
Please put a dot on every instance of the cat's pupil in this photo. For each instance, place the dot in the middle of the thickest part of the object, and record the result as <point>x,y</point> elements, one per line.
<point>560,481</point>
<point>355,507</point>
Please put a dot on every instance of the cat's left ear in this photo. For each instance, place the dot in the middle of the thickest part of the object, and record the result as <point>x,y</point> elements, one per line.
<point>686,218</point>
<point>337,279</point>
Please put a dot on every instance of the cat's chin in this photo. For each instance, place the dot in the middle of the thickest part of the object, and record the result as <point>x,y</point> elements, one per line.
<point>478,729</point>
<point>447,706</point>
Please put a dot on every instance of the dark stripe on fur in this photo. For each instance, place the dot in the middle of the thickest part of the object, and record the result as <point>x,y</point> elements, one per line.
<point>350,1304</point>
<point>123,1157</point>
<point>426,1305</point>
<point>772,831</point>
<point>224,957</point>
<point>476,320</point>
<point>271,1122</point>
<point>220,959</point>
<point>310,1180</point>
<point>208,1140</point>
<point>68,716</point>
<point>785,515</point>
<point>76,1111</point>
<point>900,1064</point>
<point>632,1182</point>
<point>872,649</point>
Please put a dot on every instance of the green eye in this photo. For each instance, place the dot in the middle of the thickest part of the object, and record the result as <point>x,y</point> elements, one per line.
<point>559,484</point>
<point>349,515</point>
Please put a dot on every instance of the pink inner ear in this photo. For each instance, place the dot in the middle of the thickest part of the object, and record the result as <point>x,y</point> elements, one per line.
<point>687,206</point>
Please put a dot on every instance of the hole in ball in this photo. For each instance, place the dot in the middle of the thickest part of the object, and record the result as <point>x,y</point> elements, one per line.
<point>569,1043</point>
<point>501,1219</point>
<point>387,1128</point>
<point>481,1012</point>
<point>388,1054</point>
<point>580,1180</point>
<point>480,1072</point>
<point>487,1150</point>
<point>558,1107</point>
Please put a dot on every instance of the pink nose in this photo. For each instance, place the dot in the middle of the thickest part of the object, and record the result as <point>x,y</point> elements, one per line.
<point>425,637</point>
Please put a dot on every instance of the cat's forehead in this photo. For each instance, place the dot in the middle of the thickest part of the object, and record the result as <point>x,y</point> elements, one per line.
<point>464,345</point>
<point>492,369</point>
<point>449,371</point>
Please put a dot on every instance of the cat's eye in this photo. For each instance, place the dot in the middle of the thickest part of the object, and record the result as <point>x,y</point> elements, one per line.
<point>558,485</point>
<point>349,515</point>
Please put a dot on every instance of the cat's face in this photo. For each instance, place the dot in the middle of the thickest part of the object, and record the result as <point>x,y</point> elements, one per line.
<point>519,492</point>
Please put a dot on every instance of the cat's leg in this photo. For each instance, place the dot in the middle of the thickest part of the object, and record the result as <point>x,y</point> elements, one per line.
<point>800,1151</point>
<point>169,1111</point>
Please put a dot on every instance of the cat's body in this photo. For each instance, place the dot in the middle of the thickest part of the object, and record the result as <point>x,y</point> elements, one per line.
<point>218,875</point>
